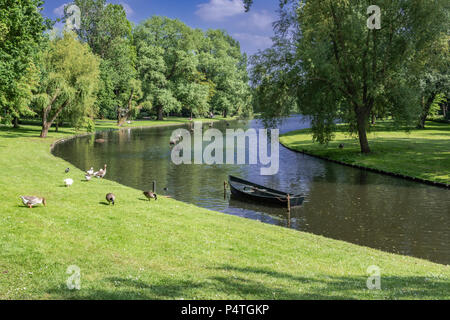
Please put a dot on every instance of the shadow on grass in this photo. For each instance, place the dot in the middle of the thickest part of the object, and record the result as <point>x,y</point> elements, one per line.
<point>264,284</point>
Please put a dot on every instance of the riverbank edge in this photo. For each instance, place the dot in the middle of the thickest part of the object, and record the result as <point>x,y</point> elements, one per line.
<point>356,166</point>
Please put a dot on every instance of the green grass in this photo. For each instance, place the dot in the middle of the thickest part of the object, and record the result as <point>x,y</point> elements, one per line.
<point>423,154</point>
<point>167,249</point>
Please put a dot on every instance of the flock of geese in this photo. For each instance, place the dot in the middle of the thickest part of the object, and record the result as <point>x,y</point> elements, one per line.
<point>31,201</point>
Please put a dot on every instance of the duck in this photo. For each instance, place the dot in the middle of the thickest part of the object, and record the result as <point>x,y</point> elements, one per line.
<point>100,140</point>
<point>67,170</point>
<point>33,201</point>
<point>151,195</point>
<point>101,173</point>
<point>111,198</point>
<point>68,182</point>
<point>90,172</point>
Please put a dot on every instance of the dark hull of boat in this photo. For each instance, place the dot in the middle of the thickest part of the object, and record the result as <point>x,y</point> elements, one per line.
<point>260,194</point>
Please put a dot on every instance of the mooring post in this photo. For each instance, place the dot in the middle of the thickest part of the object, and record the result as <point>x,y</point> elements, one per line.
<point>154,186</point>
<point>289,210</point>
<point>225,190</point>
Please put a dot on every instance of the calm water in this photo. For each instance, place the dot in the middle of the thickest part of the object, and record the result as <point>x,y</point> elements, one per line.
<point>342,203</point>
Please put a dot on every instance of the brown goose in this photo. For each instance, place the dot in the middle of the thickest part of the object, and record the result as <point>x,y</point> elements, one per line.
<point>111,198</point>
<point>30,202</point>
<point>101,173</point>
<point>151,195</point>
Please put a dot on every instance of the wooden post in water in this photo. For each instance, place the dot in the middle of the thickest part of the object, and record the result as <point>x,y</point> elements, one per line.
<point>225,190</point>
<point>289,210</point>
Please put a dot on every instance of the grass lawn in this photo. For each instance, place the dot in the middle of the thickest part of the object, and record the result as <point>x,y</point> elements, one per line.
<point>168,249</point>
<point>421,154</point>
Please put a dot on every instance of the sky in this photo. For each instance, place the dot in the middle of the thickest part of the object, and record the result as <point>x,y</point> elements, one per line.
<point>253,29</point>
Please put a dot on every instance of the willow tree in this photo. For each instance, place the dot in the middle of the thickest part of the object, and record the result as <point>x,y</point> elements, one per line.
<point>346,69</point>
<point>70,74</point>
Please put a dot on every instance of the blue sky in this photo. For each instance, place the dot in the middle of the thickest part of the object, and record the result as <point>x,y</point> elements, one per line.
<point>253,29</point>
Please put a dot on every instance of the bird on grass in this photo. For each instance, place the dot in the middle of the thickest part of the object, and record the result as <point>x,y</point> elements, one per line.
<point>150,195</point>
<point>30,202</point>
<point>341,146</point>
<point>111,198</point>
<point>88,177</point>
<point>101,173</point>
<point>68,182</point>
<point>67,170</point>
<point>90,172</point>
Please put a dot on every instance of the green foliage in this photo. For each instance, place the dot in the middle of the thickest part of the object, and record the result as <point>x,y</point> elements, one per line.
<point>108,32</point>
<point>185,70</point>
<point>69,82</point>
<point>21,34</point>
<point>340,69</point>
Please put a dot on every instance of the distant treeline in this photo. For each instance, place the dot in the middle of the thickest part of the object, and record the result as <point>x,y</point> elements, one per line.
<point>107,68</point>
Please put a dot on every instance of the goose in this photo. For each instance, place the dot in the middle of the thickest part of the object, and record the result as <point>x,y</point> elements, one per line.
<point>32,201</point>
<point>90,172</point>
<point>101,173</point>
<point>150,195</point>
<point>68,182</point>
<point>111,198</point>
<point>88,177</point>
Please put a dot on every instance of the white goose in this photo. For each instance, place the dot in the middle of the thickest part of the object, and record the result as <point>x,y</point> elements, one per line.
<point>90,172</point>
<point>33,201</point>
<point>68,182</point>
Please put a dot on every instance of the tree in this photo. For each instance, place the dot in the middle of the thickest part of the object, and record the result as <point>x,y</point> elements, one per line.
<point>221,62</point>
<point>166,61</point>
<point>69,82</point>
<point>344,70</point>
<point>21,34</point>
<point>435,82</point>
<point>105,27</point>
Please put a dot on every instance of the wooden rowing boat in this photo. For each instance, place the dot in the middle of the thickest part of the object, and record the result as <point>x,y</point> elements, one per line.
<point>251,191</point>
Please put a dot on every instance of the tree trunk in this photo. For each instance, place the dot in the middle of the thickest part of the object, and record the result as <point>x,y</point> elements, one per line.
<point>426,107</point>
<point>45,127</point>
<point>160,113</point>
<point>362,121</point>
<point>16,122</point>
<point>47,124</point>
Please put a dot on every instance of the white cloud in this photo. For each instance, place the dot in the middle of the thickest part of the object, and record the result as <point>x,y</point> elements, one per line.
<point>217,10</point>
<point>128,10</point>
<point>59,12</point>
<point>253,41</point>
<point>261,20</point>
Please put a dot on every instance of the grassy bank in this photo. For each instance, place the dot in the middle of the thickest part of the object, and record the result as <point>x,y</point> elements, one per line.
<point>423,154</point>
<point>167,249</point>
